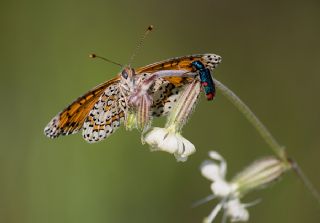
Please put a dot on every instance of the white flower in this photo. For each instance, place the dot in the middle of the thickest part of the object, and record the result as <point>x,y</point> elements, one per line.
<point>170,141</point>
<point>236,210</point>
<point>216,172</point>
<point>258,175</point>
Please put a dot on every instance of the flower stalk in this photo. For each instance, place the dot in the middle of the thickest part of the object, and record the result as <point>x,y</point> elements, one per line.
<point>267,136</point>
<point>253,119</point>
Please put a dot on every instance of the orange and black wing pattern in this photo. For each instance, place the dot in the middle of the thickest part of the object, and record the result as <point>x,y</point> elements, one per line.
<point>181,63</point>
<point>71,119</point>
<point>167,90</point>
<point>98,113</point>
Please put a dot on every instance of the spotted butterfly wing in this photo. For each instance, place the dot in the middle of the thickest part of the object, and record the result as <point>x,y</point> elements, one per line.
<point>105,116</point>
<point>72,118</point>
<point>167,90</point>
<point>100,111</point>
<point>210,61</point>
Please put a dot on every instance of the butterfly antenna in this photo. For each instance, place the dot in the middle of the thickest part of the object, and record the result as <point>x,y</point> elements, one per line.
<point>105,59</point>
<point>149,29</point>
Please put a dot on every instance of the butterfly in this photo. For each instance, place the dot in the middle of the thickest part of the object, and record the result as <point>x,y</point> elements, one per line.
<point>100,111</point>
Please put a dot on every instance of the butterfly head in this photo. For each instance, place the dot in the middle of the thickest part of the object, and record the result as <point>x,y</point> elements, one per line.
<point>127,78</point>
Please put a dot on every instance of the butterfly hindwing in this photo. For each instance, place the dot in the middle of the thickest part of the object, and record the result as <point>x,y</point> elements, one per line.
<point>165,96</point>
<point>105,116</point>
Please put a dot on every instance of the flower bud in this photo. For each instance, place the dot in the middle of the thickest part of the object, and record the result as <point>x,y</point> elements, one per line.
<point>184,105</point>
<point>259,174</point>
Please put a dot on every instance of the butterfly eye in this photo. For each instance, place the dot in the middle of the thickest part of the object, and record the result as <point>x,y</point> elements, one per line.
<point>124,74</point>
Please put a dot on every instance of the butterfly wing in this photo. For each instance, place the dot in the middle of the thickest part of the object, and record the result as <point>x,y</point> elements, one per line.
<point>105,116</point>
<point>210,61</point>
<point>165,95</point>
<point>167,90</point>
<point>71,119</point>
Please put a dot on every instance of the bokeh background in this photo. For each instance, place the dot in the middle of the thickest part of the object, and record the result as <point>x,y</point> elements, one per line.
<point>270,51</point>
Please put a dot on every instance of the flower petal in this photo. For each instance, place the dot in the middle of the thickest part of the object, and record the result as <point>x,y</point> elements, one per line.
<point>236,211</point>
<point>222,188</point>
<point>215,155</point>
<point>211,171</point>
<point>223,164</point>
<point>185,148</point>
<point>169,141</point>
<point>155,136</point>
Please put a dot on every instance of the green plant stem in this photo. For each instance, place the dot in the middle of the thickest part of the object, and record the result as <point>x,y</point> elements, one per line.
<point>253,119</point>
<point>266,135</point>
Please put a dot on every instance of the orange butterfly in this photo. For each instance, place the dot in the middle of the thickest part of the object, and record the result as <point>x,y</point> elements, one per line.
<point>100,111</point>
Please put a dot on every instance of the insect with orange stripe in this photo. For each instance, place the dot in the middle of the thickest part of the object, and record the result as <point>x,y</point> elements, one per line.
<point>99,112</point>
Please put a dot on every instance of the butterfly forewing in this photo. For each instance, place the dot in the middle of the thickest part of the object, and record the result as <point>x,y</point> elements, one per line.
<point>182,63</point>
<point>71,119</point>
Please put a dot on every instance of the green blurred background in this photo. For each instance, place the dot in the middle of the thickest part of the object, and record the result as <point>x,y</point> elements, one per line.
<point>270,53</point>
